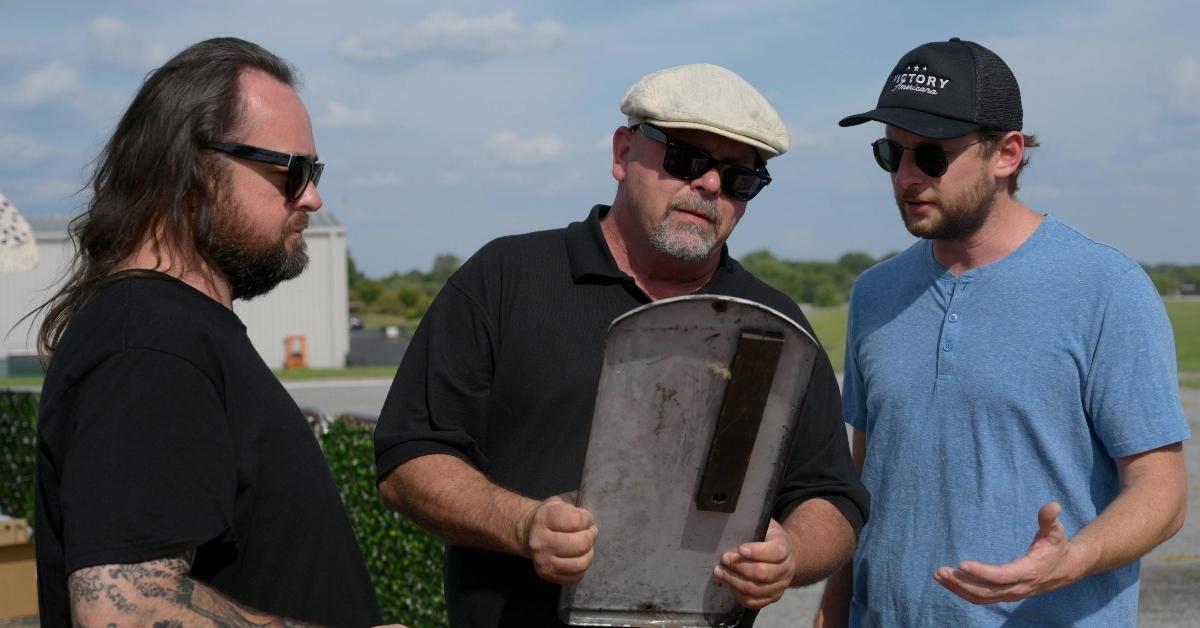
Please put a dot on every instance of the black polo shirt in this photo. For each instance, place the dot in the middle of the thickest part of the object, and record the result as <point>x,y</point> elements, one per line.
<point>503,370</point>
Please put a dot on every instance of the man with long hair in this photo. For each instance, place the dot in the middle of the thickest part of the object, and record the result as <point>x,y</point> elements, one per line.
<point>177,482</point>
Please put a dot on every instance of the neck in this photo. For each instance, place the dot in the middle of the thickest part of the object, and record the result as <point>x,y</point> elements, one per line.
<point>659,275</point>
<point>189,268</point>
<point>1007,227</point>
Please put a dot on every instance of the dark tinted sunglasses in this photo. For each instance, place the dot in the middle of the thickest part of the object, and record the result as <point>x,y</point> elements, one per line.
<point>932,159</point>
<point>300,169</point>
<point>684,161</point>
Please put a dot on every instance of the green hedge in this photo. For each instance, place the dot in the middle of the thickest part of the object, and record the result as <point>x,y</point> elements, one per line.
<point>18,435</point>
<point>405,563</point>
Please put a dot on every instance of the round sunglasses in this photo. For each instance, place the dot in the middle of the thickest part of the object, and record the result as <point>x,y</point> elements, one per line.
<point>930,158</point>
<point>300,169</point>
<point>684,161</point>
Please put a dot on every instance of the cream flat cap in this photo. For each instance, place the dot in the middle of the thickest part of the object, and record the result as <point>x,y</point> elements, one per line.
<point>707,98</point>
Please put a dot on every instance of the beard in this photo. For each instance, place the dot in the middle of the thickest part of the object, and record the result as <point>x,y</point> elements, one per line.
<point>961,216</point>
<point>254,265</point>
<point>688,242</point>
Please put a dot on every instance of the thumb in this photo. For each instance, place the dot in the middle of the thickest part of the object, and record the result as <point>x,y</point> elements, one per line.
<point>1048,516</point>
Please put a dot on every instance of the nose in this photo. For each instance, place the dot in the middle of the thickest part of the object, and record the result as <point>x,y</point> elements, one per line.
<point>908,173</point>
<point>709,183</point>
<point>310,200</point>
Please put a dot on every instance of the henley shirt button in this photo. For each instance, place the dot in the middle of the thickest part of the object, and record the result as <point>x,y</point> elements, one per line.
<point>946,347</point>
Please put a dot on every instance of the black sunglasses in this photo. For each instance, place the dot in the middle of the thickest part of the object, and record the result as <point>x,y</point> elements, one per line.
<point>300,169</point>
<point>932,159</point>
<point>684,161</point>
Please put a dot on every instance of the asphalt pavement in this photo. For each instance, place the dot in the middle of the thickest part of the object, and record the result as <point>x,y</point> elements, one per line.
<point>1170,573</point>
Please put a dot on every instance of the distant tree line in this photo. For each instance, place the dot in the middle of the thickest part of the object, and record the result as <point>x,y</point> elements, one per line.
<point>407,295</point>
<point>1173,279</point>
<point>821,284</point>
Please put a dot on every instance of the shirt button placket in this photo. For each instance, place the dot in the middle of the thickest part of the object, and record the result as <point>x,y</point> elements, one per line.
<point>951,329</point>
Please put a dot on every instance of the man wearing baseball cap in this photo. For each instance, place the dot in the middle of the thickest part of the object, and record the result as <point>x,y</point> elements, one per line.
<point>1011,383</point>
<point>487,421</point>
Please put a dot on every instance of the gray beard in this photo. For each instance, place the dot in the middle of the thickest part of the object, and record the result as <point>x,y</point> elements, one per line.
<point>687,242</point>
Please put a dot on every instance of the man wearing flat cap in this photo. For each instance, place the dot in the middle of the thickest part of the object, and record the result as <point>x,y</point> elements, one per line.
<point>1011,383</point>
<point>483,434</point>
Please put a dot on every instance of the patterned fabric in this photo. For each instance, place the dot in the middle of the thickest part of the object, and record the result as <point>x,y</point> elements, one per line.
<point>18,251</point>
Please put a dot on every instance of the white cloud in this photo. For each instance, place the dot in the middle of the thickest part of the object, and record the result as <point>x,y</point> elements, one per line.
<point>342,115</point>
<point>378,180</point>
<point>113,42</point>
<point>451,35</point>
<point>1184,82</point>
<point>55,80</point>
<point>16,149</point>
<point>523,150</point>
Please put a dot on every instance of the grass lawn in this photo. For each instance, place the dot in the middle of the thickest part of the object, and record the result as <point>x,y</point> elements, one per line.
<point>1185,318</point>
<point>830,325</point>
<point>350,372</point>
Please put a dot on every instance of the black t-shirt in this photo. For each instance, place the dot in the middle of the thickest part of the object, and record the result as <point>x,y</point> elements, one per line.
<point>503,370</point>
<point>161,429</point>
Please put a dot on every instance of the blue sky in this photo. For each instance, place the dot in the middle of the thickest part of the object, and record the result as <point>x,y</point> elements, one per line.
<point>447,124</point>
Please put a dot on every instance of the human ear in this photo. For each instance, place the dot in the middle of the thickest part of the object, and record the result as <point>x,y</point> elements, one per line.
<point>1010,150</point>
<point>622,142</point>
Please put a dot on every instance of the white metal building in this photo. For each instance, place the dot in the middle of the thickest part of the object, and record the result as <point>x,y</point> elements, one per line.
<point>313,305</point>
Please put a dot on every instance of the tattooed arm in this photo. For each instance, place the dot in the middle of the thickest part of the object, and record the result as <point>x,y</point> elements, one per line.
<point>156,593</point>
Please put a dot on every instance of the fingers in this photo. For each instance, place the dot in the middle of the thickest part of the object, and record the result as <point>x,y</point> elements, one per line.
<point>561,540</point>
<point>752,585</point>
<point>560,516</point>
<point>759,573</point>
<point>977,590</point>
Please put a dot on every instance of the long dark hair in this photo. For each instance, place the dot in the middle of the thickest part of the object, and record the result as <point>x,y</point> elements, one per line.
<point>154,179</point>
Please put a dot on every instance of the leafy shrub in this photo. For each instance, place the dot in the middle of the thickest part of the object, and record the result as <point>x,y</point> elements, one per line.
<point>18,437</point>
<point>405,563</point>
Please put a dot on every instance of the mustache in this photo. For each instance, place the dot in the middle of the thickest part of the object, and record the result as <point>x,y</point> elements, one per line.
<point>696,205</point>
<point>917,197</point>
<point>300,223</point>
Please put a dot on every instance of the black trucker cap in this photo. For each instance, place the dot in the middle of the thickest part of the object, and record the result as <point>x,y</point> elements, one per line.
<point>947,89</point>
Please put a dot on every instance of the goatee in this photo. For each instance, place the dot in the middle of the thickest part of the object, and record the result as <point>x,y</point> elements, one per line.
<point>688,242</point>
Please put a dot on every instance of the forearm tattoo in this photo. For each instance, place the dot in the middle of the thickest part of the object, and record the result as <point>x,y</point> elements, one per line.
<point>158,591</point>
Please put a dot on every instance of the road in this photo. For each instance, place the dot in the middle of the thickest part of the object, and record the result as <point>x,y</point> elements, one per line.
<point>1170,573</point>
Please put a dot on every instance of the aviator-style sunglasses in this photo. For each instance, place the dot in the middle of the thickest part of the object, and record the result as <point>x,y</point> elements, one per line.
<point>300,169</point>
<point>684,161</point>
<point>932,159</point>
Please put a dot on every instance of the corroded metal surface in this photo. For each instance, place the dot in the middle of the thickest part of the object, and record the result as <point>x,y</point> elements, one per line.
<point>667,366</point>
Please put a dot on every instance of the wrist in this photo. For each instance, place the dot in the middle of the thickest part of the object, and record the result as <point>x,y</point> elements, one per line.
<point>524,528</point>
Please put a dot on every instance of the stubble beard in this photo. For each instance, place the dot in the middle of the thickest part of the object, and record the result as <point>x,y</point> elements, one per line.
<point>688,241</point>
<point>960,217</point>
<point>254,266</point>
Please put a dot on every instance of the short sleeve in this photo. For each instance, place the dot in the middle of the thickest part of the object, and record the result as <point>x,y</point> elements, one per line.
<point>819,463</point>
<point>854,403</point>
<point>1132,391</point>
<point>438,399</point>
<point>149,469</point>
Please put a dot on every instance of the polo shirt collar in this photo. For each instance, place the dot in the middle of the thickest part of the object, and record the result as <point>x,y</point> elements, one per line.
<point>590,256</point>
